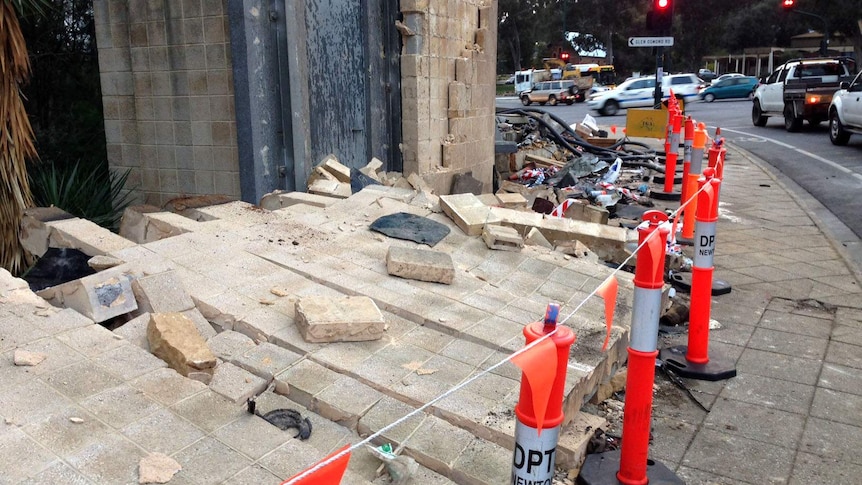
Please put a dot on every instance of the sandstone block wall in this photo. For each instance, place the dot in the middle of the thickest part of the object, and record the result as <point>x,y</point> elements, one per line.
<point>448,73</point>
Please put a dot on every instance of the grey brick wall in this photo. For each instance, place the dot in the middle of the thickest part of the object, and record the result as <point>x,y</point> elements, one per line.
<point>167,91</point>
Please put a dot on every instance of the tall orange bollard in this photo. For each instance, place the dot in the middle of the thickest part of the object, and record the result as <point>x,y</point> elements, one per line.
<point>694,170</point>
<point>671,149</point>
<point>631,465</point>
<point>688,141</point>
<point>693,360</point>
<point>536,439</point>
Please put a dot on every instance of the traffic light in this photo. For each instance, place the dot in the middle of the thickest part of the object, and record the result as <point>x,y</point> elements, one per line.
<point>788,4</point>
<point>660,17</point>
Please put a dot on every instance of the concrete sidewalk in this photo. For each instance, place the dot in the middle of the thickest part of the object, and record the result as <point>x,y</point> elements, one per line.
<point>793,325</point>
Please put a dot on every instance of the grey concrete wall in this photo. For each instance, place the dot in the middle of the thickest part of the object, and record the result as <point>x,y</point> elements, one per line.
<point>167,91</point>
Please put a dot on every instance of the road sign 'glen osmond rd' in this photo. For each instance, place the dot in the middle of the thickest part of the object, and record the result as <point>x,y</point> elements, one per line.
<point>650,41</point>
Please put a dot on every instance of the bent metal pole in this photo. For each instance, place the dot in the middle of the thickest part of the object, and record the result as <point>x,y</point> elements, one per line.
<point>693,361</point>
<point>535,449</point>
<point>631,465</point>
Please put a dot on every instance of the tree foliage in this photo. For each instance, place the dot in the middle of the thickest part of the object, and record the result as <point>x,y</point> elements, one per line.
<point>701,28</point>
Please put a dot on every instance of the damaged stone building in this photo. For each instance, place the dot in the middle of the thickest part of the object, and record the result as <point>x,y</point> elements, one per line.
<point>242,97</point>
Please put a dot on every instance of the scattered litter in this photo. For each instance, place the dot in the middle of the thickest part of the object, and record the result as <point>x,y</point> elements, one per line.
<point>76,420</point>
<point>284,419</point>
<point>399,467</point>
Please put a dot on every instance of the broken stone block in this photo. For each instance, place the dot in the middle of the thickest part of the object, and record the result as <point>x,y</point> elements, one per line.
<point>420,264</point>
<point>36,227</point>
<point>535,238</point>
<point>371,169</point>
<point>330,188</point>
<point>468,212</point>
<point>85,236</point>
<point>162,225</point>
<point>609,243</point>
<point>161,293</point>
<point>582,210</point>
<point>157,468</point>
<point>319,173</point>
<point>235,383</point>
<point>99,296</point>
<point>174,338</point>
<point>330,319</point>
<point>279,200</point>
<point>339,171</point>
<point>502,237</point>
<point>426,200</point>
<point>101,263</point>
<point>511,200</point>
<point>133,226</point>
<point>488,199</point>
<point>573,248</point>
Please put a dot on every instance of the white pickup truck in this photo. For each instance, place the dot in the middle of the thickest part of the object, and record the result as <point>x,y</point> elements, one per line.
<point>845,112</point>
<point>799,90</point>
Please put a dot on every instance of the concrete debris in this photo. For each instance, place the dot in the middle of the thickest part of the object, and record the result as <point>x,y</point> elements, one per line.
<point>157,468</point>
<point>100,296</point>
<point>331,164</point>
<point>348,319</point>
<point>502,238</point>
<point>174,338</point>
<point>535,238</point>
<point>331,188</point>
<point>420,264</point>
<point>26,358</point>
<point>573,248</point>
<point>102,262</point>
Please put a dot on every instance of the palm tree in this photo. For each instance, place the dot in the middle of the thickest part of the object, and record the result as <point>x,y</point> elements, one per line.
<point>16,135</point>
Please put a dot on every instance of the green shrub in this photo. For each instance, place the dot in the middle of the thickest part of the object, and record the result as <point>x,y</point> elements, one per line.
<point>84,189</point>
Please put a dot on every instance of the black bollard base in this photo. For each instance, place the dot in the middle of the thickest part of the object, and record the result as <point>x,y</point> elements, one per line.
<point>659,179</point>
<point>602,468</point>
<point>661,195</point>
<point>682,282</point>
<point>718,368</point>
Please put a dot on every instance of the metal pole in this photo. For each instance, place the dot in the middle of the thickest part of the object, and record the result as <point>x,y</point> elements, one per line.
<point>658,75</point>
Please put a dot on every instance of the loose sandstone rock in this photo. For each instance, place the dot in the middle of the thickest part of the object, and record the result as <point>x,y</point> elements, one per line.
<point>27,358</point>
<point>349,319</point>
<point>157,468</point>
<point>174,338</point>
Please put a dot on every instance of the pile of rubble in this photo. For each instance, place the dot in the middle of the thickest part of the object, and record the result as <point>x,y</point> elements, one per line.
<point>306,298</point>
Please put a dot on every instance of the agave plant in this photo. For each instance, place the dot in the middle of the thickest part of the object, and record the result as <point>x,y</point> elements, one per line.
<point>83,190</point>
<point>16,134</point>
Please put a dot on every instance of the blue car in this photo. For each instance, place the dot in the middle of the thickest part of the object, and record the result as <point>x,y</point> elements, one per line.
<point>734,87</point>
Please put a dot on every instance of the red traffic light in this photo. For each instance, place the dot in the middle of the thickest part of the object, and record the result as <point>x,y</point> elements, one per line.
<point>788,4</point>
<point>663,4</point>
<point>660,17</point>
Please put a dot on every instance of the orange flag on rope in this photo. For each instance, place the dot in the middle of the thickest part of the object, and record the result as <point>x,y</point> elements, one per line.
<point>608,291</point>
<point>329,474</point>
<point>539,364</point>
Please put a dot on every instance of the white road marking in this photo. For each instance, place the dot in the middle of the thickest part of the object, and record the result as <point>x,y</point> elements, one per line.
<point>800,151</point>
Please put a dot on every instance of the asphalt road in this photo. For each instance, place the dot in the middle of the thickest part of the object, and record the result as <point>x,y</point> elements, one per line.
<point>830,174</point>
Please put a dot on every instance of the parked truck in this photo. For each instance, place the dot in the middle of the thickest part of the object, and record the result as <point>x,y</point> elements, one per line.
<point>800,89</point>
<point>557,69</point>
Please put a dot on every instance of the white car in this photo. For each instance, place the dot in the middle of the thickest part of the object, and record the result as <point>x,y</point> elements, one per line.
<point>845,112</point>
<point>640,93</point>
